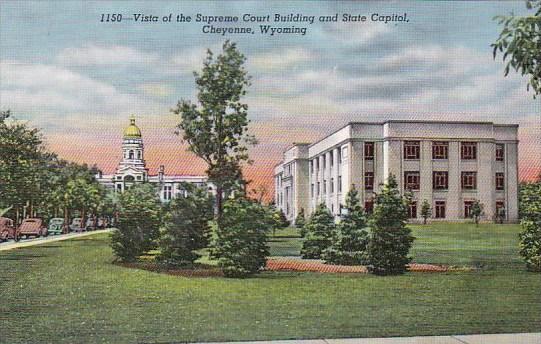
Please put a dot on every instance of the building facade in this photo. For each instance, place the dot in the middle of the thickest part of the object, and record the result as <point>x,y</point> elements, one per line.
<point>132,169</point>
<point>449,164</point>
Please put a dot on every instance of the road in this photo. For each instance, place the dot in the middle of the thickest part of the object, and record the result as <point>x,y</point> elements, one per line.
<point>9,245</point>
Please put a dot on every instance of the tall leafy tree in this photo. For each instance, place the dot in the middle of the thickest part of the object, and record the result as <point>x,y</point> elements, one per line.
<point>216,129</point>
<point>530,215</point>
<point>520,43</point>
<point>350,239</point>
<point>319,229</point>
<point>390,239</point>
<point>300,222</point>
<point>186,228</point>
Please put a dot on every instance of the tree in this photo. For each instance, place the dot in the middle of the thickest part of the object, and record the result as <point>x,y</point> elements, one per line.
<point>138,223</point>
<point>350,239</point>
<point>426,211</point>
<point>216,128</point>
<point>520,41</point>
<point>390,239</point>
<point>319,229</point>
<point>280,220</point>
<point>187,227</point>
<point>530,214</point>
<point>476,211</point>
<point>240,245</point>
<point>300,222</point>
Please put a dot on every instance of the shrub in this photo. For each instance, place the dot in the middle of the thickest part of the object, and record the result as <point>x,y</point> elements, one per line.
<point>239,243</point>
<point>138,223</point>
<point>186,227</point>
<point>350,239</point>
<point>279,219</point>
<point>319,230</point>
<point>476,211</point>
<point>530,237</point>
<point>426,211</point>
<point>390,239</point>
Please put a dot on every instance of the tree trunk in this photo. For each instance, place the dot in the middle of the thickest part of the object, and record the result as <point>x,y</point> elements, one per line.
<point>424,220</point>
<point>219,202</point>
<point>66,220</point>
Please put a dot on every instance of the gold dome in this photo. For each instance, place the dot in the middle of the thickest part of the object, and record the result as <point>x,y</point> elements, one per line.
<point>132,131</point>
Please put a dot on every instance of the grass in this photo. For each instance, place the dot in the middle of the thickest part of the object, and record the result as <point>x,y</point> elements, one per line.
<point>67,292</point>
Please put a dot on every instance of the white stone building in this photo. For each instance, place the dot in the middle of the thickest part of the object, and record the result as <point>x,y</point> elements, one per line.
<point>449,164</point>
<point>132,169</point>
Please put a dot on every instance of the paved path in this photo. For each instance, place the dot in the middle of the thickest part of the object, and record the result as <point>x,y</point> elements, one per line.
<point>51,238</point>
<point>514,338</point>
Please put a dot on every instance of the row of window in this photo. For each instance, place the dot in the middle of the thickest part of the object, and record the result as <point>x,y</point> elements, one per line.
<point>412,151</point>
<point>315,189</point>
<point>440,209</point>
<point>440,180</point>
<point>131,154</point>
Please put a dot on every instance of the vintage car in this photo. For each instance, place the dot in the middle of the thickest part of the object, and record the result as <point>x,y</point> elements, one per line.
<point>91,223</point>
<point>7,229</point>
<point>31,227</point>
<point>77,225</point>
<point>56,225</point>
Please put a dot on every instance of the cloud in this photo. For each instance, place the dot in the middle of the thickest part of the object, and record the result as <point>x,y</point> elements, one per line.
<point>280,60</point>
<point>156,89</point>
<point>40,88</point>
<point>95,55</point>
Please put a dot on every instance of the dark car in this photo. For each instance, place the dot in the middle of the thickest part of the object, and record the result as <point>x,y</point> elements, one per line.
<point>31,227</point>
<point>7,229</point>
<point>56,225</point>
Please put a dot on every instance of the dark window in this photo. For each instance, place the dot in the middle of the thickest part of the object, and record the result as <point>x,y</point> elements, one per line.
<point>312,190</point>
<point>369,151</point>
<point>318,188</point>
<point>467,208</point>
<point>324,186</point>
<point>339,156</point>
<point>130,155</point>
<point>369,207</point>
<point>369,180</point>
<point>468,151</point>
<point>412,210</point>
<point>332,185</point>
<point>331,157</point>
<point>311,166</point>
<point>167,192</point>
<point>440,150</point>
<point>412,180</point>
<point>412,150</point>
<point>440,180</point>
<point>500,181</point>
<point>323,162</point>
<point>317,164</point>
<point>439,209</point>
<point>339,183</point>
<point>500,152</point>
<point>469,180</point>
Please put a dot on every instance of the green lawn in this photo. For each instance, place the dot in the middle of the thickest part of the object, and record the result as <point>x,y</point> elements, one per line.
<point>69,292</point>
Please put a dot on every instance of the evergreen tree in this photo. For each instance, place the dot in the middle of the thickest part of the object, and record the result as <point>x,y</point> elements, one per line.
<point>390,239</point>
<point>319,229</point>
<point>350,239</point>
<point>187,227</point>
<point>476,211</point>
<point>240,245</point>
<point>426,211</point>
<point>300,222</point>
<point>138,223</point>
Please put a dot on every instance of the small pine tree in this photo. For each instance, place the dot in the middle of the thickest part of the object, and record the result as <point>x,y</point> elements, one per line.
<point>240,242</point>
<point>300,222</point>
<point>390,239</point>
<point>350,239</point>
<point>319,229</point>
<point>139,220</point>
<point>476,211</point>
<point>186,228</point>
<point>426,211</point>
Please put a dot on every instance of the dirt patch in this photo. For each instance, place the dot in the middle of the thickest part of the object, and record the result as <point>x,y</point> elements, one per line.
<point>318,266</point>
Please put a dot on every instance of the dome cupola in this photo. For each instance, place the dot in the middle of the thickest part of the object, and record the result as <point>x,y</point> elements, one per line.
<point>132,131</point>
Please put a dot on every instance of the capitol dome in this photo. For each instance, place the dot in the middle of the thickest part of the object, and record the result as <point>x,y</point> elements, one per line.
<point>132,131</point>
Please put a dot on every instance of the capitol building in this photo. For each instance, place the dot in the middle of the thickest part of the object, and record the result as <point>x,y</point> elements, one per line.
<point>132,169</point>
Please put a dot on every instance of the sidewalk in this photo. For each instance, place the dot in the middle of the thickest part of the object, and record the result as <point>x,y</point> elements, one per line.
<point>507,338</point>
<point>51,238</point>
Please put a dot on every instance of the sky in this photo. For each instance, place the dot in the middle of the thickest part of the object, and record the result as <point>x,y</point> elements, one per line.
<point>79,79</point>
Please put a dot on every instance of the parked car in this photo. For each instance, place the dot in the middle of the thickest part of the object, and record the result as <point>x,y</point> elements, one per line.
<point>31,227</point>
<point>76,225</point>
<point>90,224</point>
<point>56,225</point>
<point>7,229</point>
